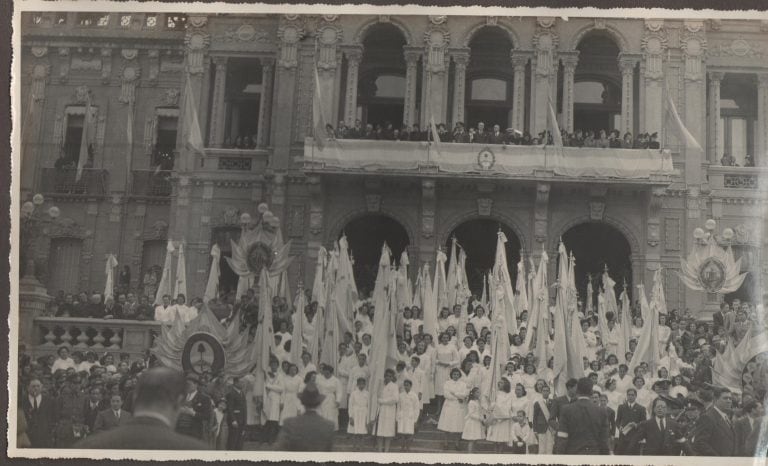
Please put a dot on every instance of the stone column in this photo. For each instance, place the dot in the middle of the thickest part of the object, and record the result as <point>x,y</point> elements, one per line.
<point>761,148</point>
<point>519,60</point>
<point>33,298</point>
<point>437,39</point>
<point>569,70</point>
<point>693,44</point>
<point>218,116</point>
<point>289,34</point>
<point>354,56</point>
<point>544,65</point>
<point>461,60</point>
<point>197,41</point>
<point>627,66</point>
<point>713,101</point>
<point>265,102</point>
<point>328,65</point>
<point>412,55</point>
<point>654,47</point>
<point>641,98</point>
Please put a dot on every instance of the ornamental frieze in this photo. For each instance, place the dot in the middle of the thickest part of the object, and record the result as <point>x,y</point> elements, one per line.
<point>244,33</point>
<point>736,48</point>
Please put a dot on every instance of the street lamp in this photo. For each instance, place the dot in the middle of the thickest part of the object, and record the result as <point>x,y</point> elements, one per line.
<point>31,221</point>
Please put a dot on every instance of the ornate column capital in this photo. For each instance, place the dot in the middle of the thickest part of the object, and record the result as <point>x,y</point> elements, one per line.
<point>220,61</point>
<point>519,59</point>
<point>715,76</point>
<point>570,59</point>
<point>460,56</point>
<point>354,53</point>
<point>762,80</point>
<point>412,54</point>
<point>627,63</point>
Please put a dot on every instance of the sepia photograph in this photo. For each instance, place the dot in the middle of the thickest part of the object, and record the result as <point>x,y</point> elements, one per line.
<point>493,235</point>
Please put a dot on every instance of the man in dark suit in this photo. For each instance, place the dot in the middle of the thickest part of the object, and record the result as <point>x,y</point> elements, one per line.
<point>112,417</point>
<point>196,410</point>
<point>753,413</point>
<point>714,434</point>
<point>41,415</point>
<point>157,401</point>
<point>497,137</point>
<point>718,318</point>
<point>236,415</point>
<point>583,426</point>
<point>629,415</point>
<point>481,135</point>
<point>541,415</point>
<point>308,431</point>
<point>560,401</point>
<point>92,407</point>
<point>663,436</point>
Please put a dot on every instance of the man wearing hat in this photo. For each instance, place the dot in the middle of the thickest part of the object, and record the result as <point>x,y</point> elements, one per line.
<point>583,426</point>
<point>195,413</point>
<point>308,431</point>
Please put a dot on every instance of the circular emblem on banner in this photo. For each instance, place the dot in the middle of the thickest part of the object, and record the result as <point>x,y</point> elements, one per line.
<point>258,256</point>
<point>486,159</point>
<point>203,353</point>
<point>712,275</point>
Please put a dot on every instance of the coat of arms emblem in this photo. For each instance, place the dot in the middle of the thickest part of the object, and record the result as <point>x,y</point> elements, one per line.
<point>486,159</point>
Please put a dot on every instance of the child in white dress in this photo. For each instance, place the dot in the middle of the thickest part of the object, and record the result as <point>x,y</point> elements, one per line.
<point>358,412</point>
<point>473,422</point>
<point>408,410</point>
<point>387,415</point>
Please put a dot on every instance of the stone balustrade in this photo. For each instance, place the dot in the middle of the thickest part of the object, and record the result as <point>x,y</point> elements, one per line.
<point>746,180</point>
<point>234,160</point>
<point>99,335</point>
<point>642,166</point>
<point>63,182</point>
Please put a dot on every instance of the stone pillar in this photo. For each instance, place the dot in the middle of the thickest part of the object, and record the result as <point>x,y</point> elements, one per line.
<point>354,56</point>
<point>437,39</point>
<point>519,60</point>
<point>641,99</point>
<point>33,297</point>
<point>654,47</point>
<point>428,213</point>
<point>197,41</point>
<point>761,148</point>
<point>569,70</point>
<point>265,103</point>
<point>32,110</point>
<point>289,34</point>
<point>218,117</point>
<point>461,60</point>
<point>627,66</point>
<point>544,65</point>
<point>694,48</point>
<point>412,55</point>
<point>328,65</point>
<point>713,100</point>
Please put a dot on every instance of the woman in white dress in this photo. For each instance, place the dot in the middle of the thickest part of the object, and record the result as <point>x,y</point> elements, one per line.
<point>637,328</point>
<point>521,402</point>
<point>329,386</point>
<point>590,338</point>
<point>444,320</point>
<point>615,398</point>
<point>499,417</point>
<point>454,408</point>
<point>63,362</point>
<point>387,415</point>
<point>428,381</point>
<point>291,385</point>
<point>644,396</point>
<point>529,378</point>
<point>273,395</point>
<point>664,334</point>
<point>473,422</point>
<point>446,358</point>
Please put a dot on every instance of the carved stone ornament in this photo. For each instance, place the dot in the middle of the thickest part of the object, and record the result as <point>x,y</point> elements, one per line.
<point>654,43</point>
<point>329,35</point>
<point>438,19</point>
<point>171,97</point>
<point>159,230</point>
<point>737,48</point>
<point>246,33</point>
<point>484,206</point>
<point>330,18</point>
<point>230,216</point>
<point>599,23</point>
<point>129,54</point>
<point>197,40</point>
<point>596,210</point>
<point>654,25</point>
<point>65,228</point>
<point>82,93</point>
<point>385,18</point>
<point>197,21</point>
<point>436,40</point>
<point>40,71</point>
<point>291,17</point>
<point>694,26</point>
<point>39,52</point>
<point>289,34</point>
<point>373,202</point>
<point>545,22</point>
<point>491,20</point>
<point>129,77</point>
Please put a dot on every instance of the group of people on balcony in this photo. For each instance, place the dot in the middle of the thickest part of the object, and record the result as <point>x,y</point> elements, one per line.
<point>728,160</point>
<point>240,142</point>
<point>495,135</point>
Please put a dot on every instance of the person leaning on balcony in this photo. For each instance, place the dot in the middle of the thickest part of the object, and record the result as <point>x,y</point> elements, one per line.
<point>496,136</point>
<point>369,133</point>
<point>728,161</point>
<point>481,135</point>
<point>749,161</point>
<point>628,141</point>
<point>96,307</point>
<point>165,312</point>
<point>356,131</point>
<point>653,143</point>
<point>342,132</point>
<point>112,310</point>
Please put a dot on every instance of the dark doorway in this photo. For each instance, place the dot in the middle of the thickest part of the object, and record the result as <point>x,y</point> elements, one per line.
<point>595,245</point>
<point>383,113</point>
<point>366,235</point>
<point>478,238</point>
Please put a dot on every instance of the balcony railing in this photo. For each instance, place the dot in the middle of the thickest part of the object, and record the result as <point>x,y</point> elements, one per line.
<point>745,179</point>
<point>93,181</point>
<point>234,160</point>
<point>488,160</point>
<point>99,335</point>
<point>151,183</point>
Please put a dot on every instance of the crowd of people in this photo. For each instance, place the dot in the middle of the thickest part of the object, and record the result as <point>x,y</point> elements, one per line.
<point>493,134</point>
<point>443,384</point>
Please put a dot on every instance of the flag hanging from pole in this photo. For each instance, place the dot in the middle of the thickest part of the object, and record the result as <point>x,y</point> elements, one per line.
<point>318,116</point>
<point>164,288</point>
<point>180,285</point>
<point>688,140</point>
<point>110,285</point>
<point>193,137</point>
<point>212,288</point>
<point>552,120</point>
<point>85,139</point>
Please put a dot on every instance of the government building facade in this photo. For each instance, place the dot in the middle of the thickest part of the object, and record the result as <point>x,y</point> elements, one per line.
<point>254,84</point>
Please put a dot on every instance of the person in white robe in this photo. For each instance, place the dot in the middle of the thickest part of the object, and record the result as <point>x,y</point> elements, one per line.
<point>306,365</point>
<point>408,412</point>
<point>329,386</point>
<point>454,409</point>
<point>273,397</point>
<point>447,358</point>
<point>473,422</point>
<point>290,397</point>
<point>358,411</point>
<point>387,412</point>
<point>499,417</point>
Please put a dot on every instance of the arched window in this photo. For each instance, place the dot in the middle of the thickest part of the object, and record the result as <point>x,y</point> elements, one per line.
<point>489,79</point>
<point>381,83</point>
<point>597,84</point>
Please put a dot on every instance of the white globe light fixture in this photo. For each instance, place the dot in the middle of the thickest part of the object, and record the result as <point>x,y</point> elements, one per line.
<point>54,212</point>
<point>728,234</point>
<point>27,208</point>
<point>698,233</point>
<point>263,208</point>
<point>38,199</point>
<point>710,224</point>
<point>245,218</point>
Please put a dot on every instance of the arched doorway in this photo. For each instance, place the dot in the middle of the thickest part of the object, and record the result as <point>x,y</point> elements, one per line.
<point>597,245</point>
<point>381,86</point>
<point>597,84</point>
<point>478,238</point>
<point>366,235</point>
<point>489,79</point>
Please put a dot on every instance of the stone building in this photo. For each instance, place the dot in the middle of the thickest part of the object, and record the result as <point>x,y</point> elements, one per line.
<point>251,75</point>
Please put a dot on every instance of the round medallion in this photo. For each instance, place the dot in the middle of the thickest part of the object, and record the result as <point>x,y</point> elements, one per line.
<point>330,18</point>
<point>129,73</point>
<point>545,41</point>
<point>712,275</point>
<point>438,19</point>
<point>328,35</point>
<point>245,32</point>
<point>740,47</point>
<point>653,45</point>
<point>39,71</point>
<point>291,16</point>
<point>290,34</point>
<point>196,41</point>
<point>693,47</point>
<point>436,38</point>
<point>258,256</point>
<point>486,159</point>
<point>203,353</point>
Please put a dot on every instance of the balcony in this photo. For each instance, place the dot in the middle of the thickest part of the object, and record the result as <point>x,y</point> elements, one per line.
<point>99,335</point>
<point>640,166</point>
<point>234,160</point>
<point>62,182</point>
<point>151,183</point>
<point>746,181</point>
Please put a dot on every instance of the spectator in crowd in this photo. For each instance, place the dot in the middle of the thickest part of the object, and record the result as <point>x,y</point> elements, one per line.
<point>236,414</point>
<point>196,410</point>
<point>308,431</point>
<point>113,416</point>
<point>41,415</point>
<point>714,434</point>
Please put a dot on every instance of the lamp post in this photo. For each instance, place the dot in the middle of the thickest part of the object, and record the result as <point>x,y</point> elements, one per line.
<point>33,296</point>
